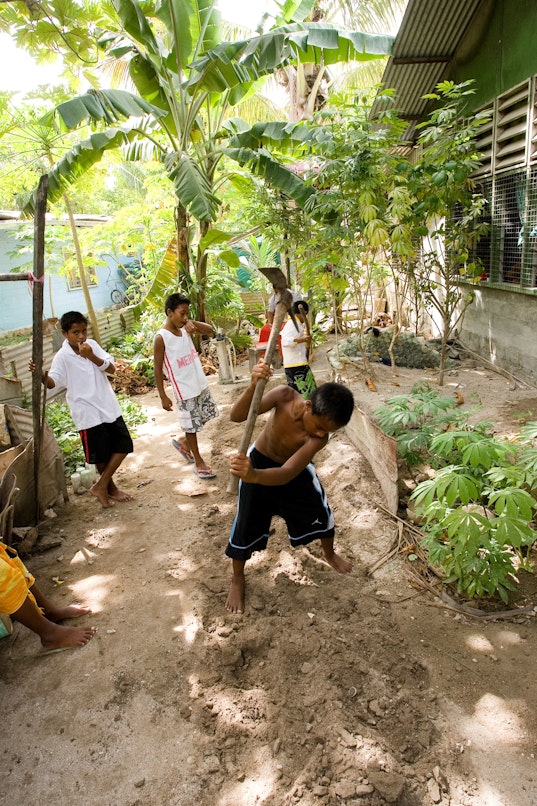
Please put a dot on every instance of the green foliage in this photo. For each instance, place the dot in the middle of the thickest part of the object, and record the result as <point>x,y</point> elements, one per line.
<point>59,418</point>
<point>224,302</point>
<point>415,418</point>
<point>479,509</point>
<point>136,346</point>
<point>479,515</point>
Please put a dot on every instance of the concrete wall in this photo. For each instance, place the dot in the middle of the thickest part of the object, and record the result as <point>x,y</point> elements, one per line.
<point>501,326</point>
<point>380,450</point>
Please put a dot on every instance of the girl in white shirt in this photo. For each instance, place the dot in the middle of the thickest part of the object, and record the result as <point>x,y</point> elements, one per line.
<point>295,344</point>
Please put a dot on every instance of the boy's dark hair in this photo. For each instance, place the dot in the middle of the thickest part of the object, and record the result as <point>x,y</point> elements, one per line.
<point>72,318</point>
<point>173,302</point>
<point>334,401</point>
<point>301,303</point>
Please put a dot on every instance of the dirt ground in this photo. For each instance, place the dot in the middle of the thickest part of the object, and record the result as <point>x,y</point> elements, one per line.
<point>328,690</point>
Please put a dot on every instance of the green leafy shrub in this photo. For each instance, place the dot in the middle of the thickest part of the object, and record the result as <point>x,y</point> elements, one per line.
<point>415,418</point>
<point>479,508</point>
<point>59,418</point>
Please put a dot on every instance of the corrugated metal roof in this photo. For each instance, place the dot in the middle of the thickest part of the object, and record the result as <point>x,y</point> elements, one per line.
<point>430,34</point>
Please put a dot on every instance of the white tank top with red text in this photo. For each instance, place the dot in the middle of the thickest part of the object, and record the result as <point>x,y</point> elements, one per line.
<point>182,365</point>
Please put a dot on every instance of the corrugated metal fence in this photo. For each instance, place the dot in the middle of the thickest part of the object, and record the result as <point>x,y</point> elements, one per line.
<point>113,323</point>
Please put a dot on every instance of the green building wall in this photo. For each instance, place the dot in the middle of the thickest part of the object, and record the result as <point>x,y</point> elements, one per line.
<point>500,49</point>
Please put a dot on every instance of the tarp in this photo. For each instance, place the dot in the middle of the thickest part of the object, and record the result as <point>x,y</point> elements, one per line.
<point>17,468</point>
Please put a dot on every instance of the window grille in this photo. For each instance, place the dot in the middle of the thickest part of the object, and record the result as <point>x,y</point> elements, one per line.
<point>482,252</point>
<point>514,231</point>
<point>508,179</point>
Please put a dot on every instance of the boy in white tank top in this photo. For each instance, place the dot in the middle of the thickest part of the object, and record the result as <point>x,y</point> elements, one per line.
<point>177,360</point>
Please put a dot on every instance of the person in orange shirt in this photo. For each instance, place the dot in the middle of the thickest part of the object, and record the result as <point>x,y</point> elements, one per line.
<point>22,601</point>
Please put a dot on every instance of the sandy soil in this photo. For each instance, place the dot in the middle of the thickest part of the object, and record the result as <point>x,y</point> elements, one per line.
<point>328,690</point>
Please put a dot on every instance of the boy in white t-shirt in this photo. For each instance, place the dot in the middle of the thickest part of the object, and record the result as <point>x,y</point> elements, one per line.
<point>81,366</point>
<point>177,359</point>
<point>295,344</point>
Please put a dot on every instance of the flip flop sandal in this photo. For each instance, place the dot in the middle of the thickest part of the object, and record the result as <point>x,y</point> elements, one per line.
<point>203,474</point>
<point>183,451</point>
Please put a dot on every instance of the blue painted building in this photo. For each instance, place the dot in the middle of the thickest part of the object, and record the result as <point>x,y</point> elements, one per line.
<point>61,293</point>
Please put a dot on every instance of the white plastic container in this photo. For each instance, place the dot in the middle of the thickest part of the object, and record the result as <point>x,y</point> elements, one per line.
<point>93,471</point>
<point>75,482</point>
<point>86,478</point>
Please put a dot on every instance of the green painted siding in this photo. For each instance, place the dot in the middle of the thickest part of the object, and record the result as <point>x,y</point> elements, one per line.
<point>500,50</point>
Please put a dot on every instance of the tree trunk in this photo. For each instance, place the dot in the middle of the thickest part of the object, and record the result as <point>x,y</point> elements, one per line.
<point>184,277</point>
<point>82,271</point>
<point>201,275</point>
<point>443,354</point>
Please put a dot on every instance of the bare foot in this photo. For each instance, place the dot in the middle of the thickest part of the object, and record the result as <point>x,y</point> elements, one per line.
<point>70,611</point>
<point>101,495</point>
<point>59,637</point>
<point>340,564</point>
<point>119,495</point>
<point>235,598</point>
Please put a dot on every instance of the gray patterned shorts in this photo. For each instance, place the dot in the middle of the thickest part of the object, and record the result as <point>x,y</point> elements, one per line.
<point>196,411</point>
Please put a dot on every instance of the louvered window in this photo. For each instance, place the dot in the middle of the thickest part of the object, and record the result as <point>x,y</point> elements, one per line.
<point>508,178</point>
<point>485,142</point>
<point>511,128</point>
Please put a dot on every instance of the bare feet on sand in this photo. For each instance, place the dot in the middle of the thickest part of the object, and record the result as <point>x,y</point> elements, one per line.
<point>70,611</point>
<point>119,495</point>
<point>59,637</point>
<point>107,495</point>
<point>235,598</point>
<point>339,564</point>
<point>101,494</point>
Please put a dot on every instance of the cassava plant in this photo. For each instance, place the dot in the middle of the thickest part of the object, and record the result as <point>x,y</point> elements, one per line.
<point>415,418</point>
<point>479,513</point>
<point>480,506</point>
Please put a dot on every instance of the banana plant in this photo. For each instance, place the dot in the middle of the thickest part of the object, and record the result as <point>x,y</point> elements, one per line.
<point>188,83</point>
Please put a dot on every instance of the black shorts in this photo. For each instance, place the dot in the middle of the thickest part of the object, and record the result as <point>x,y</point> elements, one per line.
<point>301,503</point>
<point>301,379</point>
<point>101,441</point>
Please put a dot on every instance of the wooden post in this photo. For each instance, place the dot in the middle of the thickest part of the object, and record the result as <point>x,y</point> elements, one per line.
<point>37,328</point>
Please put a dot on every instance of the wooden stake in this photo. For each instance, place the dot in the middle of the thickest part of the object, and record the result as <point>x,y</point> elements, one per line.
<point>37,328</point>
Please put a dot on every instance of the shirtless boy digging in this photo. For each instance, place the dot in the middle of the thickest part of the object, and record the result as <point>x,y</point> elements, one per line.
<point>278,477</point>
